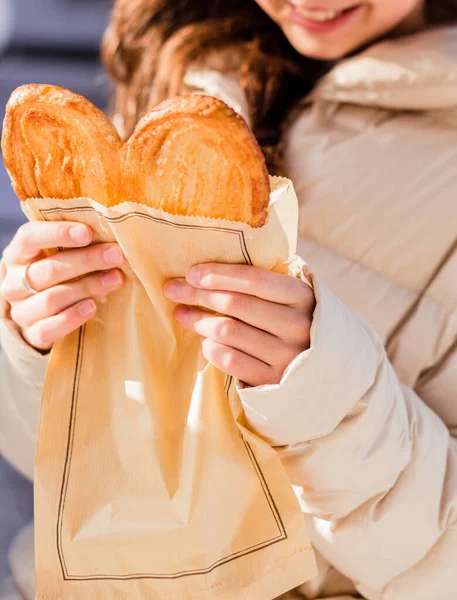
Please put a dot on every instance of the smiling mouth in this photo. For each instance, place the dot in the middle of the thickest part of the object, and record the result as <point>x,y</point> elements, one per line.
<point>323,16</point>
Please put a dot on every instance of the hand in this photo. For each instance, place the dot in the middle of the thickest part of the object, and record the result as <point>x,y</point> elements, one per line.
<point>58,307</point>
<point>267,323</point>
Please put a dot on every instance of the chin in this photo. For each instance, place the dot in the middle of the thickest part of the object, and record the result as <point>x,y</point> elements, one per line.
<point>321,50</point>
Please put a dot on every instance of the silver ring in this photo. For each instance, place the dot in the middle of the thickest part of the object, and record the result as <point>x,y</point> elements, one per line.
<point>25,280</point>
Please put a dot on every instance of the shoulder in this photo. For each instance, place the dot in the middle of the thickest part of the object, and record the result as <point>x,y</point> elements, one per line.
<point>417,72</point>
<point>224,86</point>
<point>218,75</point>
<point>396,99</point>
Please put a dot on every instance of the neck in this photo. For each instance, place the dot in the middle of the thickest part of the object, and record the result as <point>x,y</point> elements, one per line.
<point>413,23</point>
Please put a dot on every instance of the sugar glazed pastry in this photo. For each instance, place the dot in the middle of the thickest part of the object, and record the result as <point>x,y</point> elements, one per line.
<point>192,155</point>
<point>57,144</point>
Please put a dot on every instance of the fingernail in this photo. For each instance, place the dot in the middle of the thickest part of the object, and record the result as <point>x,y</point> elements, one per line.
<point>194,276</point>
<point>182,314</point>
<point>87,308</point>
<point>79,234</point>
<point>113,255</point>
<point>172,290</point>
<point>111,279</point>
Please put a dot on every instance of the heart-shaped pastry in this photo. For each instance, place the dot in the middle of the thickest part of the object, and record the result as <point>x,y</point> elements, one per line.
<point>192,155</point>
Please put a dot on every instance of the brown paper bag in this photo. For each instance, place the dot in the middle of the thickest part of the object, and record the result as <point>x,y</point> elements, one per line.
<point>148,484</point>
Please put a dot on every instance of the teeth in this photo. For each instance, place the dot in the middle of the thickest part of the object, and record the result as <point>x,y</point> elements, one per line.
<point>321,16</point>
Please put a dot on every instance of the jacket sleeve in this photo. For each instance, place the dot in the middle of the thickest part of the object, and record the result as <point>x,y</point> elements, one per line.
<point>224,86</point>
<point>375,468</point>
<point>22,374</point>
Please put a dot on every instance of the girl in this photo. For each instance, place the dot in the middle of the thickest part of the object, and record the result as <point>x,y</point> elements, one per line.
<point>356,101</point>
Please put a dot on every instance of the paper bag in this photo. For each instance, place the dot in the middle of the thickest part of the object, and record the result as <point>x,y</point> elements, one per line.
<point>148,484</point>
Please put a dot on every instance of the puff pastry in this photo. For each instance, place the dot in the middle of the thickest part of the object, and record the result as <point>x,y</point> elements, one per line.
<point>192,155</point>
<point>57,144</point>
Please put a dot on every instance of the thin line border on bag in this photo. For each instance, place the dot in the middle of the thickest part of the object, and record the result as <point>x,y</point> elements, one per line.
<point>71,433</point>
<point>239,232</point>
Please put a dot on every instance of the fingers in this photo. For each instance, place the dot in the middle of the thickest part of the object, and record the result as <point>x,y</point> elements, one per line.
<point>239,365</point>
<point>58,298</point>
<point>32,238</point>
<point>274,287</point>
<point>281,321</point>
<point>45,333</point>
<point>63,266</point>
<point>236,334</point>
<point>58,308</point>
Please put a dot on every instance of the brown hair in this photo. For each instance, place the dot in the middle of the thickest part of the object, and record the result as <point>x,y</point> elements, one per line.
<point>151,43</point>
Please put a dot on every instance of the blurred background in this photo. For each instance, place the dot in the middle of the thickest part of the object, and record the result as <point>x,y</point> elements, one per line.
<point>55,42</point>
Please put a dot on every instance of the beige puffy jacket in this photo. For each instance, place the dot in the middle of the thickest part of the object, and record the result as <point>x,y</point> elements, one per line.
<point>367,436</point>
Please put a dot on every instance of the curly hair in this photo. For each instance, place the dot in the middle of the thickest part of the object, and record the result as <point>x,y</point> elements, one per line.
<point>150,44</point>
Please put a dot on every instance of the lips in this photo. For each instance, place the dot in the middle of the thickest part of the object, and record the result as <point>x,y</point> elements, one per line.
<point>320,15</point>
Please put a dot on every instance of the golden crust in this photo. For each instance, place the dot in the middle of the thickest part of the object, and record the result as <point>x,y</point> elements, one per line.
<point>57,144</point>
<point>192,155</point>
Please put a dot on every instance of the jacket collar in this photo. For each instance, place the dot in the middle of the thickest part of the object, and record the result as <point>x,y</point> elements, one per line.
<point>417,72</point>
